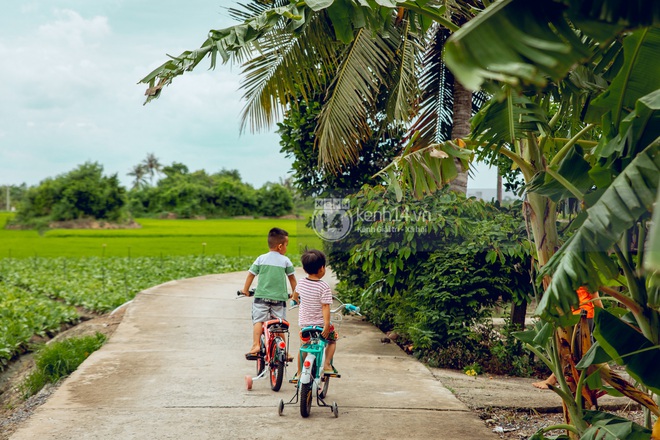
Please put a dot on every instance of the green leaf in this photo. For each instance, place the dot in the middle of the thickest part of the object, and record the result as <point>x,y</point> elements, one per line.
<point>620,341</point>
<point>652,257</point>
<point>583,259</point>
<point>505,120</point>
<point>573,168</point>
<point>317,5</point>
<point>526,42</point>
<point>605,426</point>
<point>594,356</point>
<point>639,76</point>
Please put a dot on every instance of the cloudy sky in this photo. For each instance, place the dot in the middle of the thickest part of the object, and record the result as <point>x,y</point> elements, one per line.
<point>69,93</point>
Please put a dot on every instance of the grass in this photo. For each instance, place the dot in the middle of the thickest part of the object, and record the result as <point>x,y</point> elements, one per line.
<point>156,237</point>
<point>59,359</point>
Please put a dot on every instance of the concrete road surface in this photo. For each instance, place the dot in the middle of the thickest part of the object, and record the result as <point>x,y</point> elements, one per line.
<point>175,369</point>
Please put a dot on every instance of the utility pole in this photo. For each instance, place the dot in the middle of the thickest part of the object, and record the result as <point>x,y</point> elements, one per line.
<point>8,200</point>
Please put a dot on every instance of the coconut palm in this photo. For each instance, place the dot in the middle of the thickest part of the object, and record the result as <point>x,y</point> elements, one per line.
<point>152,166</point>
<point>139,174</point>
<point>297,54</point>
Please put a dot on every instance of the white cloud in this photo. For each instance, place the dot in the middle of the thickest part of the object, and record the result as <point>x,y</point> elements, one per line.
<point>73,29</point>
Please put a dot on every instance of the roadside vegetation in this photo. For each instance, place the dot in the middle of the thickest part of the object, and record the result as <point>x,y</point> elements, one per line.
<point>59,359</point>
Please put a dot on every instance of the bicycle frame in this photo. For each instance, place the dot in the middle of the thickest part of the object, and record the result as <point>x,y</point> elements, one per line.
<point>273,354</point>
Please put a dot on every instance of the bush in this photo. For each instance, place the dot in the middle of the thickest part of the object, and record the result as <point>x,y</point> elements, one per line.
<point>59,359</point>
<point>273,200</point>
<point>80,194</point>
<point>432,269</point>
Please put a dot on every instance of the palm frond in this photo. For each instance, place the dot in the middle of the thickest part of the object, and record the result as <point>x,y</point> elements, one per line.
<point>435,118</point>
<point>342,123</point>
<point>289,65</point>
<point>403,88</point>
<point>223,42</point>
<point>425,170</point>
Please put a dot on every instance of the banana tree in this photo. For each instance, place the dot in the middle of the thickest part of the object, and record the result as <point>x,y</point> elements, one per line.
<point>611,164</point>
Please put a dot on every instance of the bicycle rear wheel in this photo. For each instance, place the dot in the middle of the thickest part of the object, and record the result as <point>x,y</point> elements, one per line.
<point>277,365</point>
<point>323,390</point>
<point>306,399</point>
<point>261,364</point>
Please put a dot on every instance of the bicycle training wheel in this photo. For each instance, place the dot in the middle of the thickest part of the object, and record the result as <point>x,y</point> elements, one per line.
<point>277,365</point>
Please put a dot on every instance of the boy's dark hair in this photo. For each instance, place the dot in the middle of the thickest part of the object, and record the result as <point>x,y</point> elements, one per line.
<point>276,236</point>
<point>312,261</point>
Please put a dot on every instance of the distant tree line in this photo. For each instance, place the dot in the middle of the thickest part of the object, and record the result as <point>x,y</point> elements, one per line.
<point>222,194</point>
<point>86,193</point>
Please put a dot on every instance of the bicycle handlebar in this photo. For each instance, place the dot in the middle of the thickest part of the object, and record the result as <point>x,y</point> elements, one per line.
<point>250,293</point>
<point>349,307</point>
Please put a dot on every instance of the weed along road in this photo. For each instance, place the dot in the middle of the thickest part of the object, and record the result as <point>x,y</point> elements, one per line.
<point>175,368</point>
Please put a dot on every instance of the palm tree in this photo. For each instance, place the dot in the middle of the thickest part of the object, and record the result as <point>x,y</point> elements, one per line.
<point>152,166</point>
<point>139,173</point>
<point>288,65</point>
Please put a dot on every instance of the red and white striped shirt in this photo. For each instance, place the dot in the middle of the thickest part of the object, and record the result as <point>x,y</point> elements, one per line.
<point>313,294</point>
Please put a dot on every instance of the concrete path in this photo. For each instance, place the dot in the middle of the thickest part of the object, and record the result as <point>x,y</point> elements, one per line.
<point>174,369</point>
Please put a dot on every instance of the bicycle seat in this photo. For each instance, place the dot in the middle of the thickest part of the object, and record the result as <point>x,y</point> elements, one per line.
<point>313,331</point>
<point>277,325</point>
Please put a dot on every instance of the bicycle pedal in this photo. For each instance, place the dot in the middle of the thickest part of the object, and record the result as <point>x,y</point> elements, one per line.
<point>337,375</point>
<point>252,357</point>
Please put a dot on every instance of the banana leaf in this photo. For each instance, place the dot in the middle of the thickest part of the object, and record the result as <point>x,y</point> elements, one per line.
<point>503,121</point>
<point>628,347</point>
<point>584,259</point>
<point>573,168</point>
<point>639,76</point>
<point>605,426</point>
<point>515,41</point>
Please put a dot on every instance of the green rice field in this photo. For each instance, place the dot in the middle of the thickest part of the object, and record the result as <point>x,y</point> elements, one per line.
<point>157,237</point>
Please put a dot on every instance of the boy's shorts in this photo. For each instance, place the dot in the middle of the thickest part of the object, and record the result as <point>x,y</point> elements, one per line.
<point>265,310</point>
<point>332,337</point>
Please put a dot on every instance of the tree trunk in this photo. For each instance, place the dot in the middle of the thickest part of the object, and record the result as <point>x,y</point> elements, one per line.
<point>499,187</point>
<point>518,313</point>
<point>461,129</point>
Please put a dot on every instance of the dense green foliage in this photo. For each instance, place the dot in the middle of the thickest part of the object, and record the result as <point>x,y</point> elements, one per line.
<point>37,295</point>
<point>59,359</point>
<point>155,237</point>
<point>297,140</point>
<point>16,195</point>
<point>431,269</point>
<point>195,194</point>
<point>82,193</point>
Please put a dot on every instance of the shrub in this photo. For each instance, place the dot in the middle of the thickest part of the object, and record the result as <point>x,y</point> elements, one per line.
<point>432,269</point>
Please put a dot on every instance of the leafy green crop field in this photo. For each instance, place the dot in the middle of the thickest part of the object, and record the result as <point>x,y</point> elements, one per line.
<point>156,237</point>
<point>43,278</point>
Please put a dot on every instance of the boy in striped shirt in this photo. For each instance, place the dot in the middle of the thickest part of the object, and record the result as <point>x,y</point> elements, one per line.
<point>315,298</point>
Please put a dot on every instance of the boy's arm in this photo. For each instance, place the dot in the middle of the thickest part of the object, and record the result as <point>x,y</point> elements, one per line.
<point>326,320</point>
<point>292,281</point>
<point>248,283</point>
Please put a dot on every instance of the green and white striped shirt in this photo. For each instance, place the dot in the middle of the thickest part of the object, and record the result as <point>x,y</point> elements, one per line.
<point>273,269</point>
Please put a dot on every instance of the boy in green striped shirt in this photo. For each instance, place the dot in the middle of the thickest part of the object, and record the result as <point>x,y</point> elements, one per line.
<point>271,295</point>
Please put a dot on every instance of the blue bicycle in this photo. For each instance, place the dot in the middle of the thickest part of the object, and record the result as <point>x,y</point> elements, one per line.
<point>312,378</point>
